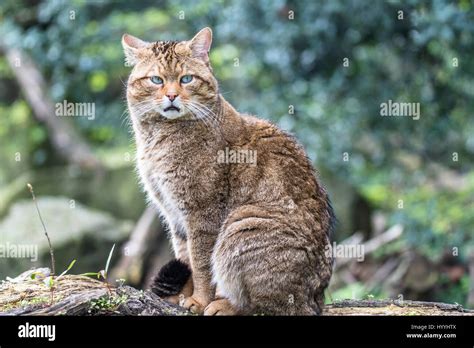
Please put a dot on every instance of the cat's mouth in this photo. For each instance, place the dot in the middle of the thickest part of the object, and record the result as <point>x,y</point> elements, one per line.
<point>172,107</point>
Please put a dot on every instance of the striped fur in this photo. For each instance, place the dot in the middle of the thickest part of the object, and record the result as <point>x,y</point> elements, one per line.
<point>256,236</point>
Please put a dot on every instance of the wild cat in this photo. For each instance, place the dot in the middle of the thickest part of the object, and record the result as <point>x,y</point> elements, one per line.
<point>250,237</point>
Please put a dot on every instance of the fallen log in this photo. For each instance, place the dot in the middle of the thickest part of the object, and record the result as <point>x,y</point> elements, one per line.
<point>77,295</point>
<point>81,295</point>
<point>395,308</point>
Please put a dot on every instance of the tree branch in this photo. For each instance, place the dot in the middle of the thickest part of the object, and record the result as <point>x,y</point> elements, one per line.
<point>64,138</point>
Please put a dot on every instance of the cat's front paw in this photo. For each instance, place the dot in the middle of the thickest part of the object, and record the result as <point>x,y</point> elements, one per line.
<point>195,304</point>
<point>220,307</point>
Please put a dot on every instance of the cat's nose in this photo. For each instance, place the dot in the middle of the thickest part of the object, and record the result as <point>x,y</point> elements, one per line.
<point>171,96</point>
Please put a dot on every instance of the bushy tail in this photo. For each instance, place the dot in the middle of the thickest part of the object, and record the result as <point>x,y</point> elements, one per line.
<point>171,278</point>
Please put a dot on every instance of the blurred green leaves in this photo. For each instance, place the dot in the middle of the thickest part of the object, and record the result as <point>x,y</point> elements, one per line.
<point>98,81</point>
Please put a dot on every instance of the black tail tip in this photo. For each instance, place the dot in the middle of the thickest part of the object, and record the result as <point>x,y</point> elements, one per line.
<point>171,278</point>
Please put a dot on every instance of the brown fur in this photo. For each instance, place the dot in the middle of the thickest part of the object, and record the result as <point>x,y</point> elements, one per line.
<point>258,231</point>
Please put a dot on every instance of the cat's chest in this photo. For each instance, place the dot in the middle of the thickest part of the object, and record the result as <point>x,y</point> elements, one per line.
<point>179,175</point>
<point>160,181</point>
<point>163,175</point>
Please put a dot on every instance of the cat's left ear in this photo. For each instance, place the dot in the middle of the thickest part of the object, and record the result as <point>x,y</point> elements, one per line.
<point>131,47</point>
<point>201,44</point>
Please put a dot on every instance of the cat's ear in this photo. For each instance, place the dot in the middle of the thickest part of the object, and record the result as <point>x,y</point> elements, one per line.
<point>201,44</point>
<point>131,47</point>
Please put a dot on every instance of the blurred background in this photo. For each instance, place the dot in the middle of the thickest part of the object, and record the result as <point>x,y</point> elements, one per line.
<point>401,187</point>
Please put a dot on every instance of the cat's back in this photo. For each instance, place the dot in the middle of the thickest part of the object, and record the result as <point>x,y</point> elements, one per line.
<point>270,137</point>
<point>279,152</point>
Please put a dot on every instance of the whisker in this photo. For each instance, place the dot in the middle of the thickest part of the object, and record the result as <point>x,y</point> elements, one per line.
<point>201,112</point>
<point>207,112</point>
<point>202,107</point>
<point>199,115</point>
<point>211,112</point>
<point>207,116</point>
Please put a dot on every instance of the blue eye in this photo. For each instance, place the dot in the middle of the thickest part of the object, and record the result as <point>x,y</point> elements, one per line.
<point>186,78</point>
<point>156,80</point>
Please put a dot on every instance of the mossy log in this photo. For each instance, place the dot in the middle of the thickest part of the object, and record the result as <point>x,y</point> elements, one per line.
<point>81,295</point>
<point>77,295</point>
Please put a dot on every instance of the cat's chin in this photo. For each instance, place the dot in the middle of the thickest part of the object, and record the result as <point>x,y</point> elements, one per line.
<point>171,114</point>
<point>177,115</point>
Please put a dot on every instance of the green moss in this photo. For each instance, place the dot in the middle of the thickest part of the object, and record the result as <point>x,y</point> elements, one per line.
<point>106,304</point>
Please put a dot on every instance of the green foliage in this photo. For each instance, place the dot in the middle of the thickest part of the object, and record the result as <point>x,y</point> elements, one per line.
<point>434,219</point>
<point>454,293</point>
<point>355,291</point>
<point>102,273</point>
<point>106,304</point>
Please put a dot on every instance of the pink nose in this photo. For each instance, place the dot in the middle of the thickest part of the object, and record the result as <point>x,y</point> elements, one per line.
<point>171,97</point>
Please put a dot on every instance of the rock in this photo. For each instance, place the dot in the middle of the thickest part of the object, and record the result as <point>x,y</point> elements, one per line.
<point>76,232</point>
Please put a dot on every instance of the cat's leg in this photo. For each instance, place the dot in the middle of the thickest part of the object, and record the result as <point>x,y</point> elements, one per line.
<point>220,306</point>
<point>201,238</point>
<point>263,266</point>
<point>179,244</point>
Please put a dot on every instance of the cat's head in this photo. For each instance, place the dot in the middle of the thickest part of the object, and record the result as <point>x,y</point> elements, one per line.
<point>171,78</point>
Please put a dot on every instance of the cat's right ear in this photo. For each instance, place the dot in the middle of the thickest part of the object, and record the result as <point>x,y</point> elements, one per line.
<point>131,47</point>
<point>200,44</point>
